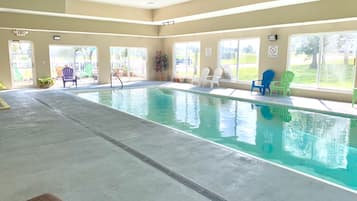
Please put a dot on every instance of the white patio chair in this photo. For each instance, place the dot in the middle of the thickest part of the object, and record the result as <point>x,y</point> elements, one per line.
<point>203,76</point>
<point>214,80</point>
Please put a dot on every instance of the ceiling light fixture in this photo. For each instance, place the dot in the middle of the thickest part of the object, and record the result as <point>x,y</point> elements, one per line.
<point>56,37</point>
<point>171,22</point>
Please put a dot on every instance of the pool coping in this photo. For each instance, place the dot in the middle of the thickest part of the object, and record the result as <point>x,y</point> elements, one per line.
<point>268,102</point>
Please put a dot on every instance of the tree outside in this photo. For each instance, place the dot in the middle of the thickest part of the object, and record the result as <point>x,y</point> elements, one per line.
<point>323,60</point>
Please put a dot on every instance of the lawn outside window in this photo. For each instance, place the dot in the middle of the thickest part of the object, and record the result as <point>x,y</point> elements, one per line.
<point>324,60</point>
<point>239,58</point>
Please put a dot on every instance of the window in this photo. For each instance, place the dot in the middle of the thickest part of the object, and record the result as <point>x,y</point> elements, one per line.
<point>323,60</point>
<point>129,63</point>
<point>239,58</point>
<point>187,59</point>
<point>83,60</point>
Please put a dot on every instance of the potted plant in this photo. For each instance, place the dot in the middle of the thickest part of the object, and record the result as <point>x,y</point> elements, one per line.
<point>45,82</point>
<point>161,63</point>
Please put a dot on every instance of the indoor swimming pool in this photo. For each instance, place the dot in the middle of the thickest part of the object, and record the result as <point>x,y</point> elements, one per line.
<point>317,144</point>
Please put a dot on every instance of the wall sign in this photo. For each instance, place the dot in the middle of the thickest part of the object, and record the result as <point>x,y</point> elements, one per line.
<point>273,51</point>
<point>208,52</point>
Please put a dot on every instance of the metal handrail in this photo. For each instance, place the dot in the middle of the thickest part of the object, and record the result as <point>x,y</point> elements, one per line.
<point>111,79</point>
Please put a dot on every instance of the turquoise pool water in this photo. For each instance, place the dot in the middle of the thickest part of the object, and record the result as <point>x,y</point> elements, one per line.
<point>317,144</point>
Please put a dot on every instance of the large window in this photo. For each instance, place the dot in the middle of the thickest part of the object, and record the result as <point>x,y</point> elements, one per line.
<point>187,59</point>
<point>82,59</point>
<point>323,60</point>
<point>239,58</point>
<point>129,63</point>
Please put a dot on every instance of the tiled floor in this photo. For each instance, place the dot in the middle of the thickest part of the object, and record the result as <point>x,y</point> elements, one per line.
<point>54,142</point>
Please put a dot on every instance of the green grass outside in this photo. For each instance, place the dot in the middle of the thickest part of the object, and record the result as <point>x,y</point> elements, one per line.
<point>332,76</point>
<point>247,74</point>
<point>248,59</point>
<point>243,59</point>
<point>341,61</point>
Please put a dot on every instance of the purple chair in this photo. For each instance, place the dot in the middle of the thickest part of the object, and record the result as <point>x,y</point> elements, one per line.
<point>68,76</point>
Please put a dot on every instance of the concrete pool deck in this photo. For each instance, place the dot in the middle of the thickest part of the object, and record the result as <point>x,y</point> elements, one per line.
<point>54,142</point>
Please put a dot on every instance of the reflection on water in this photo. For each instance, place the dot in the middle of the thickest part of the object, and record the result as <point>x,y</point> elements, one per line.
<point>315,143</point>
<point>326,143</point>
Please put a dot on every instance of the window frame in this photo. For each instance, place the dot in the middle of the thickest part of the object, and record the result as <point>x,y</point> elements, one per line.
<point>73,46</point>
<point>236,80</point>
<point>317,86</point>
<point>128,47</point>
<point>174,58</point>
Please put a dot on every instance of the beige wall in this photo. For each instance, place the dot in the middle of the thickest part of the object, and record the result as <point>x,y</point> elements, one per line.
<point>36,5</point>
<point>198,7</point>
<point>42,40</point>
<point>321,10</point>
<point>112,11</point>
<point>278,64</point>
<point>27,21</point>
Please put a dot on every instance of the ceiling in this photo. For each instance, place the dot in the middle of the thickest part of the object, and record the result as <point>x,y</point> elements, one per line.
<point>147,4</point>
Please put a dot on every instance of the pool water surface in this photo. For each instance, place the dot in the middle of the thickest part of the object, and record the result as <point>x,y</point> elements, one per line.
<point>317,144</point>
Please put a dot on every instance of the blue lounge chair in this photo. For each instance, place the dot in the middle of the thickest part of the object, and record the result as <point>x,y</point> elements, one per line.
<point>264,84</point>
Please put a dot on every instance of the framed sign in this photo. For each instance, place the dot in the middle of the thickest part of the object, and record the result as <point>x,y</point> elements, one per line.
<point>208,52</point>
<point>273,51</point>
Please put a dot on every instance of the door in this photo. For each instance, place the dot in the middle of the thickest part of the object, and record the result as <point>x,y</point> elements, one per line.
<point>21,62</point>
<point>82,59</point>
<point>128,63</point>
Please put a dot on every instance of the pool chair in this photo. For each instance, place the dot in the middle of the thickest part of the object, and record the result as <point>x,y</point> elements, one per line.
<point>68,76</point>
<point>203,76</point>
<point>282,112</point>
<point>265,111</point>
<point>214,79</point>
<point>282,86</point>
<point>4,105</point>
<point>264,83</point>
<point>2,86</point>
<point>354,96</point>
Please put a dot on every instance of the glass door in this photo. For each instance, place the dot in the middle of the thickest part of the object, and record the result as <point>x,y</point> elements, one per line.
<point>21,61</point>
<point>128,63</point>
<point>82,59</point>
<point>187,59</point>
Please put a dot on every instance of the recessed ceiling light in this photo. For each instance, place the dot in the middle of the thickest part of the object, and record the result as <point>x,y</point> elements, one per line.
<point>150,3</point>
